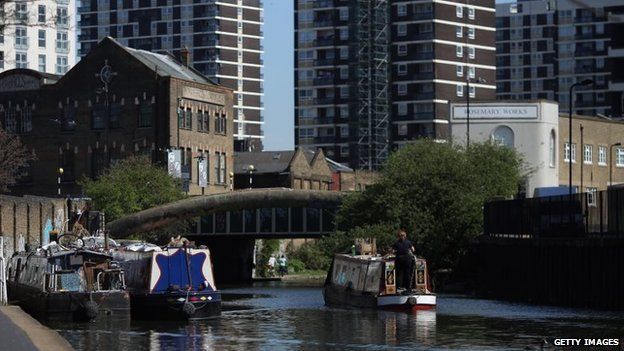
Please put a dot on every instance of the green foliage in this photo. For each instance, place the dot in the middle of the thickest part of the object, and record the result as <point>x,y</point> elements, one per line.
<point>436,192</point>
<point>312,256</point>
<point>269,247</point>
<point>296,266</point>
<point>132,185</point>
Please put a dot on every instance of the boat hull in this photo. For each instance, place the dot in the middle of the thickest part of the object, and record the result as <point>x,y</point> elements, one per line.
<point>68,305</point>
<point>171,305</point>
<point>341,297</point>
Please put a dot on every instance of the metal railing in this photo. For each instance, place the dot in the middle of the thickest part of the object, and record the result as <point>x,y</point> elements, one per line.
<point>599,214</point>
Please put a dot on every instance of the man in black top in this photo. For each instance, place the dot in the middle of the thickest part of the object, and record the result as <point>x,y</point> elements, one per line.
<point>405,262</point>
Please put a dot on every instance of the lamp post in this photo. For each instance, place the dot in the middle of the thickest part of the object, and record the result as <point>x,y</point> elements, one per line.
<point>571,107</point>
<point>231,181</point>
<point>479,80</point>
<point>250,168</point>
<point>60,174</point>
<point>611,163</point>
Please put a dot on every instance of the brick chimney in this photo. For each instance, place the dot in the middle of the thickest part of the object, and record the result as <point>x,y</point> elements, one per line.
<point>185,56</point>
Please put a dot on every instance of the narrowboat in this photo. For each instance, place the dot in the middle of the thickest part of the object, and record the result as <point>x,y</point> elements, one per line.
<point>170,283</point>
<point>368,281</point>
<point>67,284</point>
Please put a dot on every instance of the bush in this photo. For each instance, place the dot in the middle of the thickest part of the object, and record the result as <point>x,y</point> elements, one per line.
<point>311,255</point>
<point>296,266</point>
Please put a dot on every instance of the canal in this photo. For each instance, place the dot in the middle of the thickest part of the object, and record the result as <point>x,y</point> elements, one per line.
<point>274,316</point>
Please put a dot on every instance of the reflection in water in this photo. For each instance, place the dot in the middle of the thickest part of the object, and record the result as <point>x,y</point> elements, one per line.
<point>278,318</point>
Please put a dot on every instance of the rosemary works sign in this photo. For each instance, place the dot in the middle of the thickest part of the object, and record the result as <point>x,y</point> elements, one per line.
<point>496,112</point>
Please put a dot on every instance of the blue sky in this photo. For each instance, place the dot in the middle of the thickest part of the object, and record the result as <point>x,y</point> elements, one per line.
<point>278,74</point>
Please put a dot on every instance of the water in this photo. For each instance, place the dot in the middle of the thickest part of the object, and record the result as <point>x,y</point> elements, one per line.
<point>278,317</point>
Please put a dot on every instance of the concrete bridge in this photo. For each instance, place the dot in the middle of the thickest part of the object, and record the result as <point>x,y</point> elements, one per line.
<point>230,222</point>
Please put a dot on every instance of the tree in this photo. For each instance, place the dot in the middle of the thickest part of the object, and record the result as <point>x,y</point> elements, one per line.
<point>132,185</point>
<point>14,158</point>
<point>436,192</point>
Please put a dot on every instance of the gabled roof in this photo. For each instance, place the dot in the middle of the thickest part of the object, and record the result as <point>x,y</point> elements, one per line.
<point>263,162</point>
<point>165,65</point>
<point>277,161</point>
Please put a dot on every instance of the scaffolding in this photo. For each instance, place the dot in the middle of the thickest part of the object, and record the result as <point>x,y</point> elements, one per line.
<point>369,117</point>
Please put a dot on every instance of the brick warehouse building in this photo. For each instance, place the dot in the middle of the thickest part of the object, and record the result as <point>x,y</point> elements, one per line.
<point>156,106</point>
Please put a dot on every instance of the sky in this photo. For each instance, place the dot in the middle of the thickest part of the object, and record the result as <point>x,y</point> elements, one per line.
<point>279,103</point>
<point>279,74</point>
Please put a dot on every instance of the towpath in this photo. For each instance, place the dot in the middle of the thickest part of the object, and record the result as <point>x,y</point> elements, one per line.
<point>20,332</point>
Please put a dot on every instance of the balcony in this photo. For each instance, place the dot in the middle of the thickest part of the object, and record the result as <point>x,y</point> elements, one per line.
<point>324,101</point>
<point>324,41</point>
<point>423,75</point>
<point>324,62</point>
<point>324,23</point>
<point>324,81</point>
<point>423,16</point>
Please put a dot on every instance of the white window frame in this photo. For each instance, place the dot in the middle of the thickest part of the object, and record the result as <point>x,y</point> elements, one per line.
<point>21,63</point>
<point>471,13</point>
<point>471,32</point>
<point>472,91</point>
<point>401,49</point>
<point>402,109</point>
<point>588,154</point>
<point>459,51</point>
<point>41,66</point>
<point>402,69</point>
<point>602,155</point>
<point>459,70</point>
<point>459,11</point>
<point>471,72</point>
<point>401,89</point>
<point>619,157</point>
<point>459,32</point>
<point>566,155</point>
<point>471,52</point>
<point>401,29</point>
<point>459,90</point>
<point>401,10</point>
<point>402,129</point>
<point>41,40</point>
<point>591,196</point>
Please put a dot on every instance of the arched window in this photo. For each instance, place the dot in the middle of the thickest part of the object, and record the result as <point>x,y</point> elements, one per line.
<point>503,135</point>
<point>552,152</point>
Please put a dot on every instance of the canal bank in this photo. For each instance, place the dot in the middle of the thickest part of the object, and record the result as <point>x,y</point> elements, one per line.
<point>24,333</point>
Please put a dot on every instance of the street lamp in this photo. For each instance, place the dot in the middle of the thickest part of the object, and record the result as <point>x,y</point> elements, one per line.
<point>479,80</point>
<point>60,174</point>
<point>231,180</point>
<point>250,168</point>
<point>611,163</point>
<point>571,106</point>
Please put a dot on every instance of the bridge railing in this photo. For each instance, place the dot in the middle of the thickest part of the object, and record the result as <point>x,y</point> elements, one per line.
<point>280,221</point>
<point>598,214</point>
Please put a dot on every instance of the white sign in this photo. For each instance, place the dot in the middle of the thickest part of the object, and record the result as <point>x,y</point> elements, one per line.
<point>496,112</point>
<point>202,165</point>
<point>174,163</point>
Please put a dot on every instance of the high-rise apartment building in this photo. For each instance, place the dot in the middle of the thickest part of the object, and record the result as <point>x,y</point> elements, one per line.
<point>223,38</point>
<point>545,46</point>
<point>39,35</point>
<point>371,76</point>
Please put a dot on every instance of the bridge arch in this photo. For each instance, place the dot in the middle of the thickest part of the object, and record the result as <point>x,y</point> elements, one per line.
<point>161,216</point>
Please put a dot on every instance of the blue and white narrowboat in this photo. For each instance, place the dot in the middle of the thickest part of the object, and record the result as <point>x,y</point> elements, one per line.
<point>170,283</point>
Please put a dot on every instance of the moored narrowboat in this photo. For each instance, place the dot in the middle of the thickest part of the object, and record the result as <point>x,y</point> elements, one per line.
<point>170,283</point>
<point>368,281</point>
<point>67,284</point>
